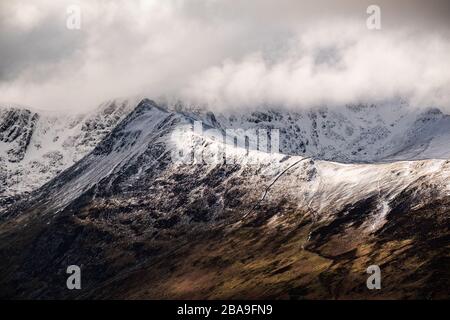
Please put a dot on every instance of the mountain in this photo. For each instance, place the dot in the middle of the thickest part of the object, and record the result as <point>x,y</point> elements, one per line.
<point>35,146</point>
<point>352,134</point>
<point>305,222</point>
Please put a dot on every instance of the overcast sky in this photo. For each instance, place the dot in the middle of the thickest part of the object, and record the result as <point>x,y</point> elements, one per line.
<point>225,53</point>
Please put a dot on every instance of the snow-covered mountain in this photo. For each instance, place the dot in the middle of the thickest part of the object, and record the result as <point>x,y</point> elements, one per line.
<point>352,134</point>
<point>36,145</point>
<point>269,225</point>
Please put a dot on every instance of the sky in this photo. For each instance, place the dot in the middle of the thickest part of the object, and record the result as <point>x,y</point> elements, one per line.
<point>225,54</point>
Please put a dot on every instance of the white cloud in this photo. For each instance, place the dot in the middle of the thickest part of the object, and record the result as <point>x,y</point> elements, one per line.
<point>220,52</point>
<point>331,67</point>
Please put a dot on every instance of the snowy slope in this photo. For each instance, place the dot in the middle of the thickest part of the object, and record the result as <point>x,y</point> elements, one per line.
<point>350,134</point>
<point>35,146</point>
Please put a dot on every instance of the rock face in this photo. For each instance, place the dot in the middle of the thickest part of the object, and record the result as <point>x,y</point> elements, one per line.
<point>269,225</point>
<point>16,129</point>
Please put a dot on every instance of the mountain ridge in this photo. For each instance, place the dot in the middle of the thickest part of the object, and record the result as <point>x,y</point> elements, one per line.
<point>268,226</point>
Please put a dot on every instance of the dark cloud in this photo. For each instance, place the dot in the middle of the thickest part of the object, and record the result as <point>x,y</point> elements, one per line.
<point>34,47</point>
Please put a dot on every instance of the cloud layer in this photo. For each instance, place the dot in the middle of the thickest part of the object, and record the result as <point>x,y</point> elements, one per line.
<point>330,67</point>
<point>223,53</point>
